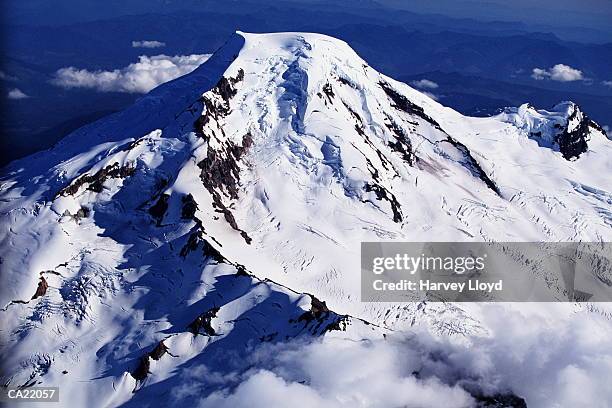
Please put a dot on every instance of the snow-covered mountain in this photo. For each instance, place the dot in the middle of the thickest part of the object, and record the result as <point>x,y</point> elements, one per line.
<point>222,215</point>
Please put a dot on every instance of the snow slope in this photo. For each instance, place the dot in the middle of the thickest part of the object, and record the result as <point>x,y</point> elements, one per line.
<point>226,209</point>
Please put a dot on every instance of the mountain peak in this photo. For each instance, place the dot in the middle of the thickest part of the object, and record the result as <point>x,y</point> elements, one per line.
<point>226,208</point>
<point>565,128</point>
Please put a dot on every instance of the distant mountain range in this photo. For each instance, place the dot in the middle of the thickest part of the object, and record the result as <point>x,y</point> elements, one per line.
<point>478,96</point>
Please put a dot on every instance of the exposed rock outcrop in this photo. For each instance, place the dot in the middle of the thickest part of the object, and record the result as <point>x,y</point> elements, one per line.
<point>203,323</point>
<point>95,182</point>
<point>158,210</point>
<point>574,136</point>
<point>41,290</point>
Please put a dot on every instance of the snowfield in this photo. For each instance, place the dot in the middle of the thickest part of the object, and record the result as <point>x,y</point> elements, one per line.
<point>202,247</point>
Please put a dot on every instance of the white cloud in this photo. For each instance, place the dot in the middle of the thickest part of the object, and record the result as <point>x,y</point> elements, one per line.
<point>560,72</point>
<point>539,74</point>
<point>608,131</point>
<point>607,83</point>
<point>139,77</point>
<point>266,389</point>
<point>424,84</point>
<point>148,44</point>
<point>337,373</point>
<point>548,360</point>
<point>552,357</point>
<point>16,93</point>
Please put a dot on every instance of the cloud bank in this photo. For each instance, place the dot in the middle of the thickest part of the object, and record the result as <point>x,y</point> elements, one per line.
<point>335,373</point>
<point>560,72</point>
<point>16,93</point>
<point>148,44</point>
<point>548,360</point>
<point>139,77</point>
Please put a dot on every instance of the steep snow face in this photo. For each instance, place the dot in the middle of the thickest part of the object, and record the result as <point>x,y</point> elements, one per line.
<point>226,209</point>
<point>310,151</point>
